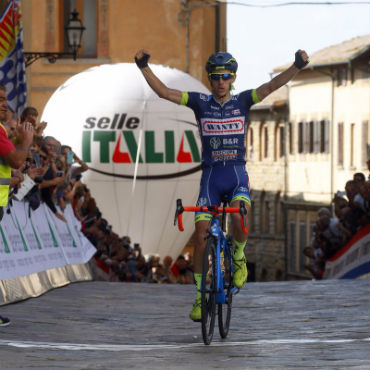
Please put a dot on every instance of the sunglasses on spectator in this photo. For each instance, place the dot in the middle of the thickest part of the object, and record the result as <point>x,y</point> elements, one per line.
<point>225,76</point>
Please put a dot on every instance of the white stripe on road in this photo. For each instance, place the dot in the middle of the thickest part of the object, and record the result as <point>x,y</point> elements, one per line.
<point>150,347</point>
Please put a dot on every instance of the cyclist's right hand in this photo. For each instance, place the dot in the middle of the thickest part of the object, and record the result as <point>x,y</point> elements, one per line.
<point>142,58</point>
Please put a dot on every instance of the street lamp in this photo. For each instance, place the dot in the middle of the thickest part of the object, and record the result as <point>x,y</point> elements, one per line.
<point>73,32</point>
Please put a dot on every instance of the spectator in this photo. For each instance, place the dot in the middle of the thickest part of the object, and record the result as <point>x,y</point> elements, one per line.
<point>167,263</point>
<point>71,158</point>
<point>365,204</point>
<point>317,261</point>
<point>359,177</point>
<point>52,177</point>
<point>330,234</point>
<point>30,115</point>
<point>57,171</point>
<point>11,127</point>
<point>182,271</point>
<point>10,157</point>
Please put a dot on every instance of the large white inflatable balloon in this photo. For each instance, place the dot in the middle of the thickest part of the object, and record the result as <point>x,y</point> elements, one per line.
<point>108,115</point>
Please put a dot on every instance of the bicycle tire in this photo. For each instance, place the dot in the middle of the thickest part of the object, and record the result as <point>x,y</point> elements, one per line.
<point>208,290</point>
<point>224,310</point>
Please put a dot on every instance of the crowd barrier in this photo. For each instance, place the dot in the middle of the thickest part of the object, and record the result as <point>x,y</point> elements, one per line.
<point>39,252</point>
<point>353,260</point>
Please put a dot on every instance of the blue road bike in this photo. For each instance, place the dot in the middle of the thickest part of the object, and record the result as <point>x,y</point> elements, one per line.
<point>217,288</point>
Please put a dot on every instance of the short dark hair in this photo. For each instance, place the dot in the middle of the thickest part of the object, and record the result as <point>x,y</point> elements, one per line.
<point>28,110</point>
<point>48,138</point>
<point>2,87</point>
<point>66,147</point>
<point>359,174</point>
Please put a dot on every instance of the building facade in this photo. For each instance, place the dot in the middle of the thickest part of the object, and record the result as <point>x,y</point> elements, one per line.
<point>179,34</point>
<point>303,144</point>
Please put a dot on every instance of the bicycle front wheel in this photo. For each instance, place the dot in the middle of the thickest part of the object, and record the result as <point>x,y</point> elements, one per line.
<point>208,290</point>
<point>224,310</point>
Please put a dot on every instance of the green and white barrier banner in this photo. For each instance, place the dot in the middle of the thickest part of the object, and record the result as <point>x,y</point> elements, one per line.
<point>40,242</point>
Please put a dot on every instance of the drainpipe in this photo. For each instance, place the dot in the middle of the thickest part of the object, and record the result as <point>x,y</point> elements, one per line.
<point>285,193</point>
<point>217,25</point>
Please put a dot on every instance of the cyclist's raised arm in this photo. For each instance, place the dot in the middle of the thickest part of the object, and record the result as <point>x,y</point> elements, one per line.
<point>141,59</point>
<point>301,60</point>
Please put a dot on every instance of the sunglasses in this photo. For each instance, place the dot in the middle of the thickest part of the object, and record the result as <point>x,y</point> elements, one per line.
<point>225,76</point>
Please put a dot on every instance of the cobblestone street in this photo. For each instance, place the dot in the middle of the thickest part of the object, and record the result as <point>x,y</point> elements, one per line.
<point>98,325</point>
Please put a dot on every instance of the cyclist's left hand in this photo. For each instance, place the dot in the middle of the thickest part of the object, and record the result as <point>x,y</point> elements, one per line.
<point>301,59</point>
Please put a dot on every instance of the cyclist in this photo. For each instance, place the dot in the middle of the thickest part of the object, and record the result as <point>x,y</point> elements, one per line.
<point>222,119</point>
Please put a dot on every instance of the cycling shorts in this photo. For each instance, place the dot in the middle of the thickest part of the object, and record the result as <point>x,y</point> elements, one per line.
<point>225,179</point>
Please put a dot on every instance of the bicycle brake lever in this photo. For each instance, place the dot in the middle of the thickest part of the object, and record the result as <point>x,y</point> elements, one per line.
<point>179,210</point>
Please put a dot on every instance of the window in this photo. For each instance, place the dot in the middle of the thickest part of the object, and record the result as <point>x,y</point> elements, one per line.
<point>324,136</point>
<point>250,151</point>
<point>279,147</point>
<point>281,141</point>
<point>342,76</point>
<point>352,145</point>
<point>300,137</point>
<point>265,142</point>
<point>365,155</point>
<point>87,12</point>
<point>260,139</point>
<point>290,138</point>
<point>311,126</point>
<point>340,144</point>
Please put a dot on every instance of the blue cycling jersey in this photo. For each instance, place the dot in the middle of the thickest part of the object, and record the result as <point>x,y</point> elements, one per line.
<point>222,127</point>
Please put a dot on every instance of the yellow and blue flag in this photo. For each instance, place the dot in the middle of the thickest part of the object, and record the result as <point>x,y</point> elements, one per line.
<point>12,66</point>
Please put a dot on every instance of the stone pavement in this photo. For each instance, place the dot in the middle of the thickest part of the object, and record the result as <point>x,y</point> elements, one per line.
<point>281,325</point>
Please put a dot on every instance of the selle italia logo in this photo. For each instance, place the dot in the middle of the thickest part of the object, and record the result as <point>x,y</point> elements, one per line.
<point>120,130</point>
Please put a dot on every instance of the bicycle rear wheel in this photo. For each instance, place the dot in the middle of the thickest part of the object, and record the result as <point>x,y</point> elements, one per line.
<point>208,290</point>
<point>224,310</point>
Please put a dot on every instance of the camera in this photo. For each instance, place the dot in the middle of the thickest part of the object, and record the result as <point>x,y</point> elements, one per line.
<point>36,159</point>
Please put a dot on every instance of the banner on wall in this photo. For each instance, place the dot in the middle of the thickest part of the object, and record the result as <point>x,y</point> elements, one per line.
<point>33,244</point>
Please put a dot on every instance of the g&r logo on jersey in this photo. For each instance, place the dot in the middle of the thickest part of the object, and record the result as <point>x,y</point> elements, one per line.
<point>215,142</point>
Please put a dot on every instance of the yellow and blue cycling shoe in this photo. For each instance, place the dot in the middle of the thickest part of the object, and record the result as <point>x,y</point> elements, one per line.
<point>196,311</point>
<point>240,272</point>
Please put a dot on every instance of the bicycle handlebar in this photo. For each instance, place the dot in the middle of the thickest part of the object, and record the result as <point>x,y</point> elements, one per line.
<point>212,209</point>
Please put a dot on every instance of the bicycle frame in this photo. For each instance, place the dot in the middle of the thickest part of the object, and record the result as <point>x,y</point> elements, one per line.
<point>221,246</point>
<point>216,231</point>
